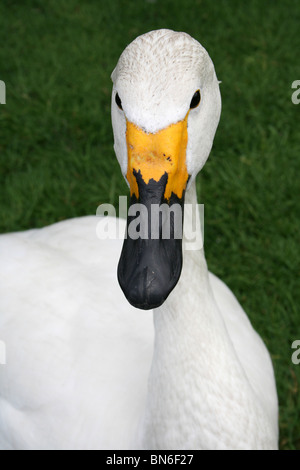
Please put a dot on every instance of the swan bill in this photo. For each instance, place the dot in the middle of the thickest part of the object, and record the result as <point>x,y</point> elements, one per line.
<point>151,259</point>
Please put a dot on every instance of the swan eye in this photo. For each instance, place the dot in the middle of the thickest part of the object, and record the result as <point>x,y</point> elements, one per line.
<point>118,101</point>
<point>195,100</point>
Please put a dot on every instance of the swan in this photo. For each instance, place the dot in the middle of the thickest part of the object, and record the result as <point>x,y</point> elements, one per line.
<point>166,358</point>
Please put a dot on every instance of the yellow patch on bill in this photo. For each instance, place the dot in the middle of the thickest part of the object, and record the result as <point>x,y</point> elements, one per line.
<point>156,154</point>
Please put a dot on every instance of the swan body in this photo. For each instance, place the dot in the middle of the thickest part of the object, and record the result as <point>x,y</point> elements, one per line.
<point>63,321</point>
<point>87,370</point>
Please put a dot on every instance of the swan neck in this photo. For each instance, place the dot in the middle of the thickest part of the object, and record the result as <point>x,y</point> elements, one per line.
<point>196,377</point>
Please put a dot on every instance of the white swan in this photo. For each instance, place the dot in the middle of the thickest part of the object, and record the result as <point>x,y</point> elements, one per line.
<point>85,369</point>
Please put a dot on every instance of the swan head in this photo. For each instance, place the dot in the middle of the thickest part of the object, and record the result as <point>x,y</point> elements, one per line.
<point>165,110</point>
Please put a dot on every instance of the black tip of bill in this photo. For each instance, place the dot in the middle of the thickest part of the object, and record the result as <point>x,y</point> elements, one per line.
<point>151,259</point>
<point>149,270</point>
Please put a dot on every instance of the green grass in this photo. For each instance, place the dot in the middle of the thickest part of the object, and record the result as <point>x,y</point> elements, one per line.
<point>57,160</point>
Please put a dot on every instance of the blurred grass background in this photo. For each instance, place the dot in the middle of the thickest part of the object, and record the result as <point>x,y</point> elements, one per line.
<point>57,159</point>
